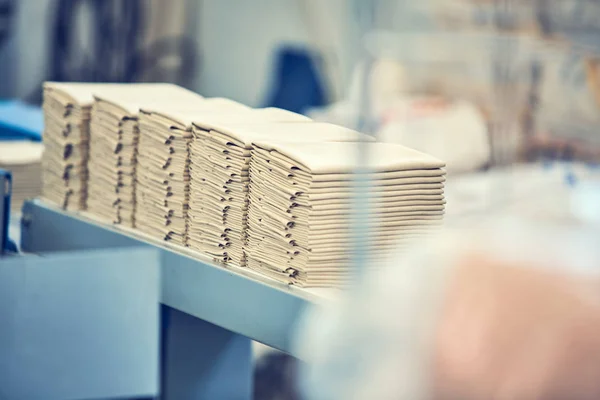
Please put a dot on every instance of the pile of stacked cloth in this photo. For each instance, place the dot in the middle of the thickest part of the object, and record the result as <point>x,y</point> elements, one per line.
<point>164,165</point>
<point>220,157</point>
<point>300,221</point>
<point>23,160</point>
<point>114,136</point>
<point>67,108</point>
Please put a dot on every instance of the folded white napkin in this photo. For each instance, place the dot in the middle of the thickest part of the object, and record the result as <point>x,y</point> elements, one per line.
<point>66,136</point>
<point>220,158</point>
<point>300,216</point>
<point>164,164</point>
<point>114,138</point>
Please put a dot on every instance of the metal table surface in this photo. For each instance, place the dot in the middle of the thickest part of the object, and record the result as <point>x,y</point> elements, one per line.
<point>236,299</point>
<point>210,313</point>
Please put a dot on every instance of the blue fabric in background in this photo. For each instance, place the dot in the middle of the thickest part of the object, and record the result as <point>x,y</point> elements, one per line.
<point>297,83</point>
<point>20,121</point>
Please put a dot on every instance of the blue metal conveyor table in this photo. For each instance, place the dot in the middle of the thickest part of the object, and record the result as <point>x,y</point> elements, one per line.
<point>210,313</point>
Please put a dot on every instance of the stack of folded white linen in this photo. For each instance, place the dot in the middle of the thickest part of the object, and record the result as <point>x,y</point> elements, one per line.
<point>300,220</point>
<point>67,109</point>
<point>23,160</point>
<point>220,178</point>
<point>164,165</point>
<point>114,137</point>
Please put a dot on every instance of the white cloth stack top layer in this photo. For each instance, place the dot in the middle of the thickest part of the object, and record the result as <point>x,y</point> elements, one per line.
<point>220,159</point>
<point>114,137</point>
<point>300,220</point>
<point>66,139</point>
<point>164,165</point>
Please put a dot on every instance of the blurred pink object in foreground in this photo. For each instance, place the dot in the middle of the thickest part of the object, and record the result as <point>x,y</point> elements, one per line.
<point>507,311</point>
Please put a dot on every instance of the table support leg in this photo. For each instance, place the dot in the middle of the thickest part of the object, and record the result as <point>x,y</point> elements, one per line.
<point>203,361</point>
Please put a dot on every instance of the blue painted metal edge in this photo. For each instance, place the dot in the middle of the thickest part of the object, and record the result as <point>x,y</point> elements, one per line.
<point>233,298</point>
<point>6,190</point>
<point>81,324</point>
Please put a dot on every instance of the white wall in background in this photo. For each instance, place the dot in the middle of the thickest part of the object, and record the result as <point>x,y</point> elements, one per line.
<point>237,40</point>
<point>29,59</point>
<point>8,49</point>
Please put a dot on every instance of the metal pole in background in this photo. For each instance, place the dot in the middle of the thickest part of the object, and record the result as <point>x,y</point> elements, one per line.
<point>8,48</point>
<point>365,12</point>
